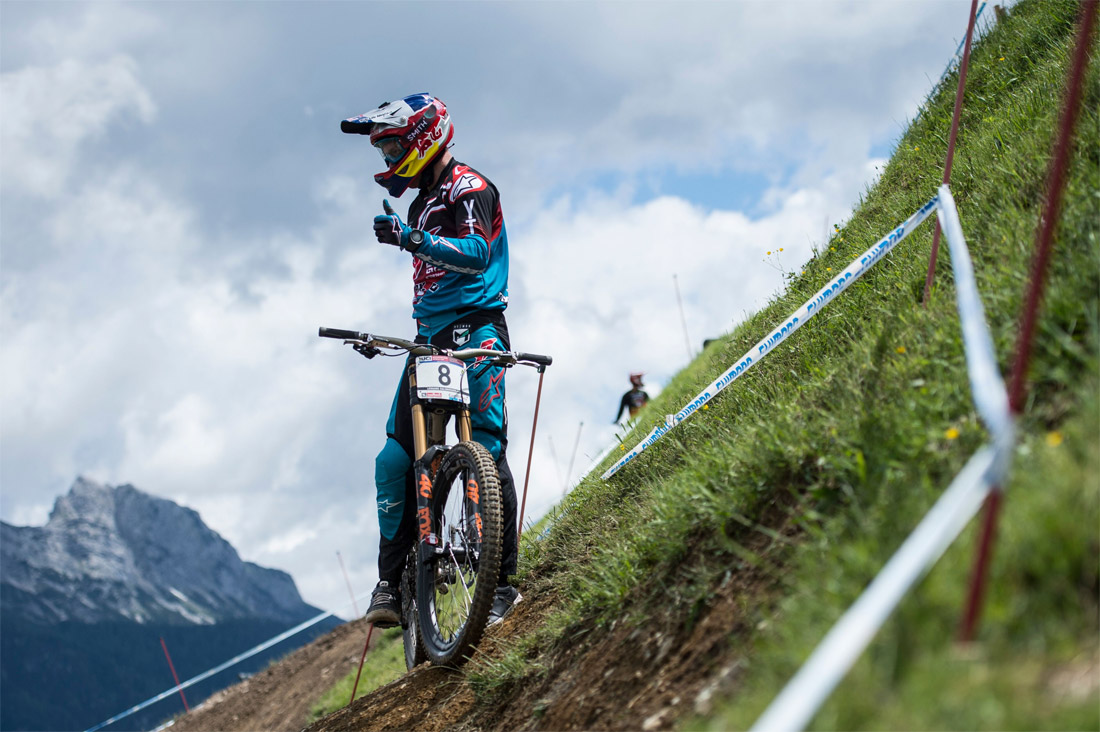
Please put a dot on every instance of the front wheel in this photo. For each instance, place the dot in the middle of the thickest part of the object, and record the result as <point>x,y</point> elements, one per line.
<point>456,583</point>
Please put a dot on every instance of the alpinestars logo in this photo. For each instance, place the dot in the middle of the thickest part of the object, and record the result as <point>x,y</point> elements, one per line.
<point>492,391</point>
<point>466,183</point>
<point>461,335</point>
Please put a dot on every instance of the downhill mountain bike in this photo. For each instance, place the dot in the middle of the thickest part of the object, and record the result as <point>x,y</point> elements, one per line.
<point>451,572</point>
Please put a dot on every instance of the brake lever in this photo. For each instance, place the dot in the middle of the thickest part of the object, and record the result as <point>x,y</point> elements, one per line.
<point>366,350</point>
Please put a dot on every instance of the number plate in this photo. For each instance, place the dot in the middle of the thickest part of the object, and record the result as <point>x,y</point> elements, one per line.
<point>441,377</point>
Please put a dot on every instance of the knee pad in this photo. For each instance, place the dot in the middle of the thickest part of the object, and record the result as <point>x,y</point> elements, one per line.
<point>391,470</point>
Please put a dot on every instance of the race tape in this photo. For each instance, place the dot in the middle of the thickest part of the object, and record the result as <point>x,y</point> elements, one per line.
<point>986,385</point>
<point>804,694</point>
<point>207,674</point>
<point>800,317</point>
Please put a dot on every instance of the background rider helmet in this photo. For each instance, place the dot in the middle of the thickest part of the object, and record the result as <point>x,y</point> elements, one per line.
<point>409,133</point>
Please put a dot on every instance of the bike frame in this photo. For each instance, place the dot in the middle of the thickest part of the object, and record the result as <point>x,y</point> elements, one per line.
<point>429,422</point>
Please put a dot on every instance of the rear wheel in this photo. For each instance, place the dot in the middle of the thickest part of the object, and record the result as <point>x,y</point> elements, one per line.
<point>410,625</point>
<point>455,587</point>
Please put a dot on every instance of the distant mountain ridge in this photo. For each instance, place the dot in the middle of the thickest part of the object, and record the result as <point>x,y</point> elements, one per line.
<point>111,553</point>
<point>87,598</point>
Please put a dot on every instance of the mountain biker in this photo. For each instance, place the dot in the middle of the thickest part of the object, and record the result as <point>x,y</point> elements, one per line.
<point>455,234</point>
<point>634,399</point>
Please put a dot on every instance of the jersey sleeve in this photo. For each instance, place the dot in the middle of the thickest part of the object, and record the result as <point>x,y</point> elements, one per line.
<point>474,211</point>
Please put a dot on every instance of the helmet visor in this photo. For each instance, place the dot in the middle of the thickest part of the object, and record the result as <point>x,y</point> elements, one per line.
<point>391,149</point>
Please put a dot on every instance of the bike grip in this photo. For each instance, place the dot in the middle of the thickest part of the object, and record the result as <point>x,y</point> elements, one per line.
<point>535,358</point>
<point>337,333</point>
<point>387,207</point>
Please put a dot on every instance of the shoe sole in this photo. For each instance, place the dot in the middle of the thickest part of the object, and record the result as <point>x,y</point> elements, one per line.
<point>383,618</point>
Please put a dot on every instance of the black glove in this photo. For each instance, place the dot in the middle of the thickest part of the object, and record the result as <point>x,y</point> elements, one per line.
<point>390,229</point>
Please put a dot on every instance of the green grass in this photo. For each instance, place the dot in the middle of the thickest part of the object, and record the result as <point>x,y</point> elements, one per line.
<point>858,423</point>
<point>384,663</point>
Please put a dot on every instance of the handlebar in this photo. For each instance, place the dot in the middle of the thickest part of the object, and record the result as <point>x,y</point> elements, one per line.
<point>368,342</point>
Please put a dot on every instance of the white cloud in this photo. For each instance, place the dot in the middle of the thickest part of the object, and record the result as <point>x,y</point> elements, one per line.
<point>50,111</point>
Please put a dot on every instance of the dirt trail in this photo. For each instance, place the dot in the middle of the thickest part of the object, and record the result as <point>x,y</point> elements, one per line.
<point>626,679</point>
<point>650,675</point>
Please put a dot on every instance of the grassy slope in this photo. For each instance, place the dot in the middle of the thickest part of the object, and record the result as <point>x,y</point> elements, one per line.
<point>387,662</point>
<point>860,421</point>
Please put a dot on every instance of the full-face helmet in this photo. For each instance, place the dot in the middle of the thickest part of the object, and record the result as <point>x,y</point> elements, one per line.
<point>636,379</point>
<point>409,133</point>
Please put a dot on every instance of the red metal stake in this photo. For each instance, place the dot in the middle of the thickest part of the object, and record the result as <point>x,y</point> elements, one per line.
<point>951,144</point>
<point>354,604</point>
<point>1056,182</point>
<point>980,571</point>
<point>1017,392</point>
<point>527,478</point>
<point>174,677</point>
<point>355,686</point>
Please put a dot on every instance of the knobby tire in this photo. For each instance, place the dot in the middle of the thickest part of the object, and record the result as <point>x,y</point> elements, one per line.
<point>410,623</point>
<point>466,584</point>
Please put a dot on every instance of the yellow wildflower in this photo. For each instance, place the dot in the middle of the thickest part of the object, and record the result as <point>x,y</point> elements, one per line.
<point>1054,439</point>
<point>900,349</point>
<point>951,433</point>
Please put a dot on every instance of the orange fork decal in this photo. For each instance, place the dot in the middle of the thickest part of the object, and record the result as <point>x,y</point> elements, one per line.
<point>473,492</point>
<point>425,517</point>
<point>425,486</point>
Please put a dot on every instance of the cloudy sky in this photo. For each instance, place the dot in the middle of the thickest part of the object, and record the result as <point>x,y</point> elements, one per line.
<point>180,212</point>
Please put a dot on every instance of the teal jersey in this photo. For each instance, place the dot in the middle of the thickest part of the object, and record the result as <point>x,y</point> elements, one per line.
<point>462,265</point>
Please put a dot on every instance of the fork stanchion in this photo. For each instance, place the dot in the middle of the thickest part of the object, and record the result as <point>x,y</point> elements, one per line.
<point>530,453</point>
<point>355,686</point>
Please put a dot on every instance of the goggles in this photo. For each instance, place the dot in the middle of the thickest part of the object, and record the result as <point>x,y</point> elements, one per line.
<point>391,149</point>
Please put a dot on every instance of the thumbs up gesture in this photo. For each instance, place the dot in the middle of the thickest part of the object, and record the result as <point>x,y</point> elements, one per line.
<point>390,229</point>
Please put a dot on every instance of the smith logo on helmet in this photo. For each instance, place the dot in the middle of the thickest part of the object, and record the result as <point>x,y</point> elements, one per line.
<point>417,130</point>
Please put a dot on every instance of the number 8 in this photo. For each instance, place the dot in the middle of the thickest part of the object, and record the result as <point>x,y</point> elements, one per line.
<point>444,374</point>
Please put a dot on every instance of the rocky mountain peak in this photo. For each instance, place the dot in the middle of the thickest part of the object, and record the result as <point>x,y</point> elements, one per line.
<point>115,552</point>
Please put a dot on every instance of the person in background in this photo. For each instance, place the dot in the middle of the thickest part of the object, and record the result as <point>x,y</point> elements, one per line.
<point>456,241</point>
<point>634,399</point>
